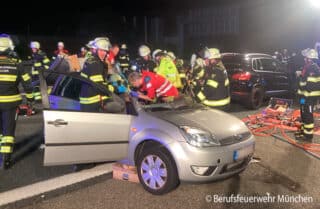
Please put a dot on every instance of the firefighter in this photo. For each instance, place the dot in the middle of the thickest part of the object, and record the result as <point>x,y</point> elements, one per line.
<point>167,68</point>
<point>40,62</point>
<point>155,87</point>
<point>11,74</point>
<point>213,87</point>
<point>285,56</point>
<point>92,48</point>
<point>309,92</point>
<point>95,69</point>
<point>145,62</point>
<point>83,52</point>
<point>198,64</point>
<point>124,59</point>
<point>179,65</point>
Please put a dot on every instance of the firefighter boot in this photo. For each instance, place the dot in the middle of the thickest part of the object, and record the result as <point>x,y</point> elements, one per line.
<point>5,161</point>
<point>303,138</point>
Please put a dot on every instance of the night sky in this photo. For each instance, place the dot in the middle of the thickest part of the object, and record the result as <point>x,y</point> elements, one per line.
<point>45,20</point>
<point>265,24</point>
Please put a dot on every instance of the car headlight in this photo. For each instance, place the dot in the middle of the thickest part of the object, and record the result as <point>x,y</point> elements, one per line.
<point>199,138</point>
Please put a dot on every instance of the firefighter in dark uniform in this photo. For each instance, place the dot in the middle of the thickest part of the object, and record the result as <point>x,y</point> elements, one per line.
<point>124,59</point>
<point>11,74</point>
<point>40,62</point>
<point>309,92</point>
<point>212,89</point>
<point>145,62</point>
<point>95,69</point>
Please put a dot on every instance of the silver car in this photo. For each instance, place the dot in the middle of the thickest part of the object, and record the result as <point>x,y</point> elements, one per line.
<point>168,143</point>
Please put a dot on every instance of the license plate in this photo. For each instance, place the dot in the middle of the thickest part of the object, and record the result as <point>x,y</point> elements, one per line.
<point>243,153</point>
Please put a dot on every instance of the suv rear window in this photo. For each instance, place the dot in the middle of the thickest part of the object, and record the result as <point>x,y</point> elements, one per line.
<point>233,62</point>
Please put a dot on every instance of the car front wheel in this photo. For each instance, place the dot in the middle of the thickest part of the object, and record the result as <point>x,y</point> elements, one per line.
<point>157,171</point>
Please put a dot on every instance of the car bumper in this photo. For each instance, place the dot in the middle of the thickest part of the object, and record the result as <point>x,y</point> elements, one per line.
<point>240,96</point>
<point>220,160</point>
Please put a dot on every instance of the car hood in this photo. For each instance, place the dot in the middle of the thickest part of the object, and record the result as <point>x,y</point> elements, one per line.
<point>227,128</point>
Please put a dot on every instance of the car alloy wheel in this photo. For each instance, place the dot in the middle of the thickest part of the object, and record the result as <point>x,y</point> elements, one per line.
<point>154,172</point>
<point>157,170</point>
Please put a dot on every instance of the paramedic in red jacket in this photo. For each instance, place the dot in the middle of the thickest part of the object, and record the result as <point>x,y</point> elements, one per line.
<point>152,87</point>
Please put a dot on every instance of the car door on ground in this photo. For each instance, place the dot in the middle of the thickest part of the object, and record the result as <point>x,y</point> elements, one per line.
<point>73,136</point>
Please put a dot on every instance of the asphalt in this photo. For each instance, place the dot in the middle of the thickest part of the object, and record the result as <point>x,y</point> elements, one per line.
<point>28,166</point>
<point>279,169</point>
<point>282,170</point>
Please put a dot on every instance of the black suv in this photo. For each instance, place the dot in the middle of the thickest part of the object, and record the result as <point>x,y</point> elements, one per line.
<point>254,77</point>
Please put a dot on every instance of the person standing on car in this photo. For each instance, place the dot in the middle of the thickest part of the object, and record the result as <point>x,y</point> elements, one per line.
<point>95,69</point>
<point>213,88</point>
<point>40,62</point>
<point>309,92</point>
<point>152,87</point>
<point>11,74</point>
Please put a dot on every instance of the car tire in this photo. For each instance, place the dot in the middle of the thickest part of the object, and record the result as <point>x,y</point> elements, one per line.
<point>157,179</point>
<point>255,99</point>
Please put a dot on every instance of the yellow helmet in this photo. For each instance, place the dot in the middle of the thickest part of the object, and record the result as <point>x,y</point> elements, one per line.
<point>214,53</point>
<point>310,53</point>
<point>5,43</point>
<point>34,45</point>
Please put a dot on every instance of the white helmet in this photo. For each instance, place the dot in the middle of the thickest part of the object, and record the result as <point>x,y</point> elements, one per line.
<point>171,55</point>
<point>60,43</point>
<point>34,45</point>
<point>124,46</point>
<point>102,43</point>
<point>90,45</point>
<point>144,50</point>
<point>310,53</point>
<point>5,43</point>
<point>155,52</point>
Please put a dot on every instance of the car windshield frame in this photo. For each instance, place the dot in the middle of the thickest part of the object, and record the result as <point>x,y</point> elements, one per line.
<point>180,104</point>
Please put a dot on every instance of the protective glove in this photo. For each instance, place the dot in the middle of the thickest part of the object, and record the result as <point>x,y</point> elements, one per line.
<point>122,89</point>
<point>302,101</point>
<point>134,94</point>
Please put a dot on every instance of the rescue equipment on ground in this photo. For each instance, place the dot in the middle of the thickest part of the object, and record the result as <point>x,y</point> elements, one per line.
<point>280,119</point>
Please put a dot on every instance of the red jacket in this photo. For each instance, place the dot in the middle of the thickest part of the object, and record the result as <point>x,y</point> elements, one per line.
<point>64,51</point>
<point>111,57</point>
<point>157,86</point>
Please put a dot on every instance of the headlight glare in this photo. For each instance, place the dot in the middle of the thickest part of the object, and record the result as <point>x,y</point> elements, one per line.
<point>199,138</point>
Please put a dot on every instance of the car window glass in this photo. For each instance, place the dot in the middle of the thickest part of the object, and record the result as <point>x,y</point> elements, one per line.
<point>66,95</point>
<point>67,87</point>
<point>256,64</point>
<point>267,65</point>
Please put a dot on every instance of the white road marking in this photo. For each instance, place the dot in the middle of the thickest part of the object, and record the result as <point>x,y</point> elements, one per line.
<point>52,184</point>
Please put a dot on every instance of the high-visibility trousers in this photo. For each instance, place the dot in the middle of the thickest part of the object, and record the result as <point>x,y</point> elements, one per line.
<point>8,125</point>
<point>307,119</point>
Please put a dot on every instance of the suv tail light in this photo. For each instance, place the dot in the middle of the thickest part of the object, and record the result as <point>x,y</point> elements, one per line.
<point>243,76</point>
